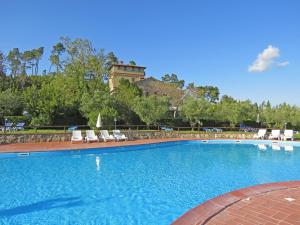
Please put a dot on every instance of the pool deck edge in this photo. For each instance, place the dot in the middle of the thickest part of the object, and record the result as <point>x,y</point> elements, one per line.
<point>59,146</point>
<point>205,212</point>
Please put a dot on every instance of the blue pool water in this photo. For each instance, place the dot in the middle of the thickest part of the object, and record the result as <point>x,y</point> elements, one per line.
<point>150,184</point>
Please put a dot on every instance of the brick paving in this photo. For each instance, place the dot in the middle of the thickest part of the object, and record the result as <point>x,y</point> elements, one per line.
<point>52,146</point>
<point>266,204</point>
<point>275,207</point>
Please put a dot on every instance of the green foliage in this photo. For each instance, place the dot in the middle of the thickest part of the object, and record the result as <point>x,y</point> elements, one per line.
<point>2,64</point>
<point>77,91</point>
<point>111,59</point>
<point>132,63</point>
<point>194,110</point>
<point>124,96</point>
<point>97,102</point>
<point>151,109</point>
<point>209,93</point>
<point>173,79</point>
<point>57,96</point>
<point>4,81</point>
<point>11,104</point>
<point>56,53</point>
<point>234,111</point>
<point>14,59</point>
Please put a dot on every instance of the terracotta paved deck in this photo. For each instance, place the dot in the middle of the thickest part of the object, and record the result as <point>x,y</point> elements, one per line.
<point>52,146</point>
<point>267,204</point>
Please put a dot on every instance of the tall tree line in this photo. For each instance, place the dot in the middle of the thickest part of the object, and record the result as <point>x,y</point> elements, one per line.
<point>74,90</point>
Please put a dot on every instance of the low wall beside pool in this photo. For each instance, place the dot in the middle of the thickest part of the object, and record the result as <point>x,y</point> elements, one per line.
<point>132,135</point>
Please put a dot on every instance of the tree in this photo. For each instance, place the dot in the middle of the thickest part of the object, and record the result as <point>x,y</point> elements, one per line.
<point>27,61</point>
<point>56,53</point>
<point>3,78</point>
<point>11,104</point>
<point>111,59</point>
<point>228,110</point>
<point>194,110</point>
<point>125,95</point>
<point>173,79</point>
<point>14,59</point>
<point>2,64</point>
<point>151,109</point>
<point>37,55</point>
<point>52,97</point>
<point>210,93</point>
<point>98,102</point>
<point>132,63</point>
<point>266,114</point>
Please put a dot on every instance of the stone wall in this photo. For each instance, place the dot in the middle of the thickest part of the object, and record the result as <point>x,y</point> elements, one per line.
<point>31,138</point>
<point>132,135</point>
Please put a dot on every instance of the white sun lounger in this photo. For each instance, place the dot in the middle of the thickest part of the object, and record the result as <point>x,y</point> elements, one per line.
<point>118,136</point>
<point>76,136</point>
<point>275,134</point>
<point>106,136</point>
<point>288,135</point>
<point>260,134</point>
<point>91,136</point>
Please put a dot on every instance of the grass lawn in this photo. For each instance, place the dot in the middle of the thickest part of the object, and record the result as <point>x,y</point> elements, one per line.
<point>297,136</point>
<point>33,131</point>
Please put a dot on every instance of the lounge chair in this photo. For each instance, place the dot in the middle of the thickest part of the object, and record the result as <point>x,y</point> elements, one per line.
<point>275,134</point>
<point>207,130</point>
<point>72,128</point>
<point>118,136</point>
<point>91,136</point>
<point>218,130</point>
<point>8,126</point>
<point>260,134</point>
<point>166,128</point>
<point>20,126</point>
<point>76,136</point>
<point>106,136</point>
<point>288,135</point>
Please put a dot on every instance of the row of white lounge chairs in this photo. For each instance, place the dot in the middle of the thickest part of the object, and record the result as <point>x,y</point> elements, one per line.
<point>91,136</point>
<point>275,134</point>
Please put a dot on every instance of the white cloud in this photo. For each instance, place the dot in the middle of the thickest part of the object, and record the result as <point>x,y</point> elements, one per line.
<point>283,64</point>
<point>265,60</point>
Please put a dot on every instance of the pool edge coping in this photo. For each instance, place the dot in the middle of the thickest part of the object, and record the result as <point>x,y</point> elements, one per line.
<point>87,146</point>
<point>204,212</point>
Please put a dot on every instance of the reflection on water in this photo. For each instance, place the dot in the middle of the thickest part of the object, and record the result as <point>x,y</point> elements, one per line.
<point>98,163</point>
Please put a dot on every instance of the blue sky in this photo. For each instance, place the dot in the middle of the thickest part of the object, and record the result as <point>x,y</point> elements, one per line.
<point>209,42</point>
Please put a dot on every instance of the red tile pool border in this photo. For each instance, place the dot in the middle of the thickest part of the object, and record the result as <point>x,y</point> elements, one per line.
<point>55,146</point>
<point>203,213</point>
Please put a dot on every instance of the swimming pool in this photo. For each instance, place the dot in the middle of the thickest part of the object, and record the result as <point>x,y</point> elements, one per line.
<point>147,184</point>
